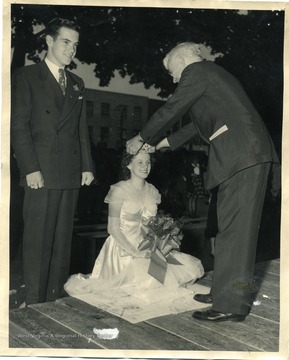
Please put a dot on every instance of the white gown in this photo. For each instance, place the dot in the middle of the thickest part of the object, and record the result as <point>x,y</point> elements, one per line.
<point>116,271</point>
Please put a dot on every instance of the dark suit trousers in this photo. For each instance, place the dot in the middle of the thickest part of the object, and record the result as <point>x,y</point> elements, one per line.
<point>48,225</point>
<point>239,211</point>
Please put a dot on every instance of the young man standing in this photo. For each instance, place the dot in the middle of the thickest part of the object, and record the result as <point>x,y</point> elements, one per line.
<point>50,140</point>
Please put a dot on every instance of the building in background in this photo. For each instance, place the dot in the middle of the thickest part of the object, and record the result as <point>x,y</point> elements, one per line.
<point>115,117</point>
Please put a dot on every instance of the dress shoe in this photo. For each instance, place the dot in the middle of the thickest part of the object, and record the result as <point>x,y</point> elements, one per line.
<point>204,298</point>
<point>216,316</point>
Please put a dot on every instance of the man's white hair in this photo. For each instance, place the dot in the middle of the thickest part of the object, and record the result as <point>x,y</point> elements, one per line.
<point>186,50</point>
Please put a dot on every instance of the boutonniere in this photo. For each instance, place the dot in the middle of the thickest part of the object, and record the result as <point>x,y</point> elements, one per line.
<point>76,88</point>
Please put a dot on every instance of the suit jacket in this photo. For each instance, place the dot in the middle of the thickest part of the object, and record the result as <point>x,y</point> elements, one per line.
<point>49,132</point>
<point>222,114</point>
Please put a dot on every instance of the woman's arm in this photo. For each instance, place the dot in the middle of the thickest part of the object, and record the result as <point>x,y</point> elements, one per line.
<point>114,230</point>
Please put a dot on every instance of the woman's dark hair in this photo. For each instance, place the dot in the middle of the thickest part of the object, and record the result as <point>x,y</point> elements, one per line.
<point>126,159</point>
<point>52,28</point>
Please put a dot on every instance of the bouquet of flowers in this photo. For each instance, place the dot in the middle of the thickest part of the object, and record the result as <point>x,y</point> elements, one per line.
<point>164,235</point>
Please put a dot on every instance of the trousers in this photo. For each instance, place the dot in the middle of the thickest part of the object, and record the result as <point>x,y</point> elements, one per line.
<point>48,226</point>
<point>239,210</point>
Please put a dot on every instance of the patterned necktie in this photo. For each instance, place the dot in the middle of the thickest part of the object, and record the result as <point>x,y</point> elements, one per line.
<point>62,80</point>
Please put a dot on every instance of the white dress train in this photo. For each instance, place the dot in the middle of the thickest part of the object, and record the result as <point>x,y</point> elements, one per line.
<point>117,272</point>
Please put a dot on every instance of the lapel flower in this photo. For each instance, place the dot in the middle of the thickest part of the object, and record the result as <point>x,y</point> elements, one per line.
<point>76,88</point>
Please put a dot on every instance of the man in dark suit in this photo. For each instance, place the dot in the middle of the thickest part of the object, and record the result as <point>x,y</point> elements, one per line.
<point>50,140</point>
<point>240,156</point>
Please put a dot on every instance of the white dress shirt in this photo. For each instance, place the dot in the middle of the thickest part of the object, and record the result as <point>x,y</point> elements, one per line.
<point>54,69</point>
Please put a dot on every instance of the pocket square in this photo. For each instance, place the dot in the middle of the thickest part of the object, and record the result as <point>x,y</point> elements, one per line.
<point>80,97</point>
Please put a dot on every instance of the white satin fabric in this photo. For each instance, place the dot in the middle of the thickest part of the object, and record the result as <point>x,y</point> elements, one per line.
<point>115,269</point>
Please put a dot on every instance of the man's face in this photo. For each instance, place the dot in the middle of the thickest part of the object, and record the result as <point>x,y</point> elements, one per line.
<point>175,66</point>
<point>62,49</point>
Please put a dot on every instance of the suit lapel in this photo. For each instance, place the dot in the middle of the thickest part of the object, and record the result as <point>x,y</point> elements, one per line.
<point>70,100</point>
<point>51,90</point>
<point>50,87</point>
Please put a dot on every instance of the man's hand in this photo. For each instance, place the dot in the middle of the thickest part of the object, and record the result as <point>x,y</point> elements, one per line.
<point>162,144</point>
<point>35,180</point>
<point>86,178</point>
<point>133,145</point>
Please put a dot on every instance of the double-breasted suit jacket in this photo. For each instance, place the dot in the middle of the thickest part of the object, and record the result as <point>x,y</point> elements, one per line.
<point>49,134</point>
<point>222,114</point>
<point>49,131</point>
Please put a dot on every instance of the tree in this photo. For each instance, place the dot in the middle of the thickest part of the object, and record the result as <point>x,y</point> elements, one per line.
<point>134,40</point>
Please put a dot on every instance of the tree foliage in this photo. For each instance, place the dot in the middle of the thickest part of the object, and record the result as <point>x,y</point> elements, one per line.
<point>134,40</point>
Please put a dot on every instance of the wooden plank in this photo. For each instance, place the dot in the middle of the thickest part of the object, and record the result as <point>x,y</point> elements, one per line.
<point>269,283</point>
<point>254,333</point>
<point>267,300</point>
<point>264,305</point>
<point>173,343</point>
<point>267,312</point>
<point>184,325</point>
<point>49,333</point>
<point>272,266</point>
<point>131,336</point>
<point>19,337</point>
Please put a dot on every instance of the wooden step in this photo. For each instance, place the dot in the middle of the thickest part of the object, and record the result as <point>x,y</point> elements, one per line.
<point>70,323</point>
<point>31,328</point>
<point>82,318</point>
<point>254,334</point>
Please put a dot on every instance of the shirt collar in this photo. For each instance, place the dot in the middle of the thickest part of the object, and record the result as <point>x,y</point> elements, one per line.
<point>53,68</point>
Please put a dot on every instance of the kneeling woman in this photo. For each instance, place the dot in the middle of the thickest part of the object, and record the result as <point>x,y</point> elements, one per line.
<point>120,264</point>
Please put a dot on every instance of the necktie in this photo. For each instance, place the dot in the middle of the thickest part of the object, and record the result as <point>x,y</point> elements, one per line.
<point>62,80</point>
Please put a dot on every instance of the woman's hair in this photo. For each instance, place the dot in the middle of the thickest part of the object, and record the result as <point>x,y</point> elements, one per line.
<point>126,159</point>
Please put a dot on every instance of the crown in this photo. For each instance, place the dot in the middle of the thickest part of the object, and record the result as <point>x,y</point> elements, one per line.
<point>148,149</point>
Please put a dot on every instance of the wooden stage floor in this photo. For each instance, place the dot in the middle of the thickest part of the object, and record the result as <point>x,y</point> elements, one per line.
<point>69,324</point>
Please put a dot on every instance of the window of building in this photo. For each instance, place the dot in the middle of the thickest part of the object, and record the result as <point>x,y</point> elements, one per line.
<point>104,133</point>
<point>89,108</point>
<point>137,113</point>
<point>105,108</point>
<point>124,112</point>
<point>121,112</point>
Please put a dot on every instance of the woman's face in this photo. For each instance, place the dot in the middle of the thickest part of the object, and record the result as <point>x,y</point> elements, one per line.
<point>140,165</point>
